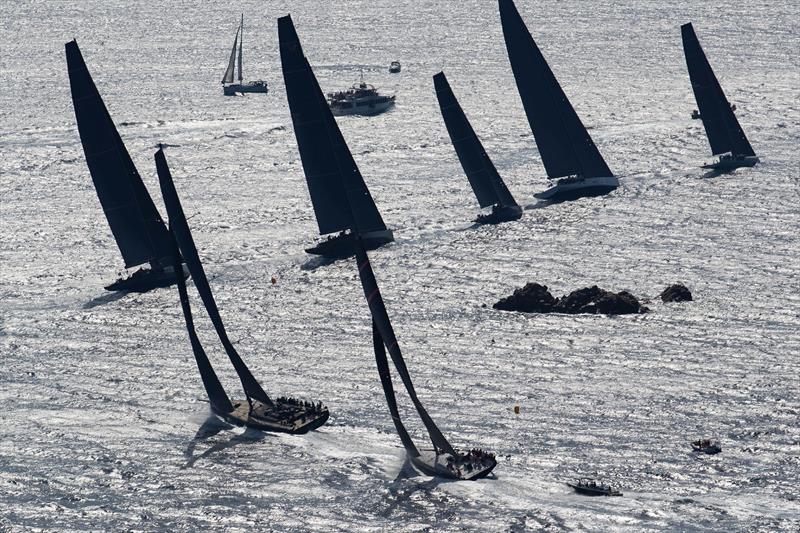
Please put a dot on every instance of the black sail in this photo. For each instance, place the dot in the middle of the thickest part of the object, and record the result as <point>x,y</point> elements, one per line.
<point>134,220</point>
<point>220,402</point>
<point>331,172</point>
<point>388,389</point>
<point>384,328</point>
<point>722,128</point>
<point>564,144</point>
<point>183,235</point>
<point>481,172</point>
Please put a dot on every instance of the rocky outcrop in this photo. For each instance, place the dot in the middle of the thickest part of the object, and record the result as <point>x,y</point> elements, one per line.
<point>676,293</point>
<point>535,298</point>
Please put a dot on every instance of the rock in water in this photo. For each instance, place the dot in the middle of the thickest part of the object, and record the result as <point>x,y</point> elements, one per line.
<point>532,298</point>
<point>535,298</point>
<point>676,293</point>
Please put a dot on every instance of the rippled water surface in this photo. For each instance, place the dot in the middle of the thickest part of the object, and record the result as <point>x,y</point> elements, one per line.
<point>103,423</point>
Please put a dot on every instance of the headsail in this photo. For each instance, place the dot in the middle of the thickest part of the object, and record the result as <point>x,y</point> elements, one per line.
<point>388,389</point>
<point>722,128</point>
<point>564,144</point>
<point>331,172</point>
<point>220,402</point>
<point>134,220</point>
<point>481,172</point>
<point>183,236</point>
<point>228,77</point>
<point>380,319</point>
<point>241,44</point>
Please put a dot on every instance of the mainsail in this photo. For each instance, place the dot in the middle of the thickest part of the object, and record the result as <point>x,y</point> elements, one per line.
<point>331,172</point>
<point>180,228</point>
<point>228,77</point>
<point>481,172</point>
<point>134,220</point>
<point>564,144</point>
<point>722,128</point>
<point>220,402</point>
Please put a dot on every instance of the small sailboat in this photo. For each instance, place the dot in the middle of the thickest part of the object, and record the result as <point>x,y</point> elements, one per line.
<point>229,87</point>
<point>725,135</point>
<point>259,411</point>
<point>137,227</point>
<point>394,67</point>
<point>567,150</point>
<point>486,183</point>
<point>331,172</point>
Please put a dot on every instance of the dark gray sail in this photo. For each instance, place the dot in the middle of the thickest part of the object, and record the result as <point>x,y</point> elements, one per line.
<point>241,45</point>
<point>220,403</point>
<point>722,128</point>
<point>183,235</point>
<point>481,172</point>
<point>386,380</point>
<point>228,77</point>
<point>380,319</point>
<point>564,144</point>
<point>134,220</point>
<point>331,172</point>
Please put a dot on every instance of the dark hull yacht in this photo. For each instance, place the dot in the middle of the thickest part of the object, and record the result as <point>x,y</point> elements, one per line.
<point>257,411</point>
<point>341,246</point>
<point>333,178</point>
<point>138,229</point>
<point>231,87</point>
<point>725,135</point>
<point>486,183</point>
<point>568,152</point>
<point>444,460</point>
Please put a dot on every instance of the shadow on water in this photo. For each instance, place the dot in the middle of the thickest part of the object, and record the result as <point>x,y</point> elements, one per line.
<point>211,427</point>
<point>412,497</point>
<point>541,204</point>
<point>713,173</point>
<point>317,262</point>
<point>105,299</point>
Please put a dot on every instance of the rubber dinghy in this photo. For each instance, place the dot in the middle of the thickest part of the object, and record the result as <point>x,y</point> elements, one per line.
<point>138,229</point>
<point>259,411</point>
<point>327,162</point>
<point>566,148</point>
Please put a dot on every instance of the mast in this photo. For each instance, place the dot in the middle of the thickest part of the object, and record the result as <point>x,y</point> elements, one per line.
<point>331,172</point>
<point>564,144</point>
<point>228,77</point>
<point>722,128</point>
<point>241,45</point>
<point>486,183</point>
<point>183,236</point>
<point>138,229</point>
<point>220,402</point>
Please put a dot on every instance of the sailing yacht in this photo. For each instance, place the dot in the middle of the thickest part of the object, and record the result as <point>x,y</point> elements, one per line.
<point>229,87</point>
<point>331,172</point>
<point>137,227</point>
<point>567,150</point>
<point>725,135</point>
<point>486,183</point>
<point>442,459</point>
<point>258,410</point>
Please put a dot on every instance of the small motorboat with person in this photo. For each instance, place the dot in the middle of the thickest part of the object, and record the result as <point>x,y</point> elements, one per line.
<point>394,67</point>
<point>695,114</point>
<point>707,446</point>
<point>590,487</point>
<point>360,99</point>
